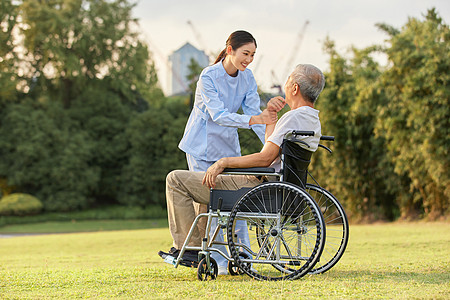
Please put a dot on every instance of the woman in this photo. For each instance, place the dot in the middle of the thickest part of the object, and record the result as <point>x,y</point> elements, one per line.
<point>211,130</point>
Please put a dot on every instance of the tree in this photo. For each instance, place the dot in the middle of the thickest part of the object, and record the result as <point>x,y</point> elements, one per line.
<point>82,73</point>
<point>70,43</point>
<point>416,120</point>
<point>154,136</point>
<point>194,72</point>
<point>349,105</point>
<point>391,124</point>
<point>44,154</point>
<point>8,54</point>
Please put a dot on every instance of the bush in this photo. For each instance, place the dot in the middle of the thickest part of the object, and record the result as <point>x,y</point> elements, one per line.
<point>45,153</point>
<point>19,204</point>
<point>153,154</point>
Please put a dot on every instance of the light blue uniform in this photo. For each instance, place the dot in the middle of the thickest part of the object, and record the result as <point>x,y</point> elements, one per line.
<point>211,130</point>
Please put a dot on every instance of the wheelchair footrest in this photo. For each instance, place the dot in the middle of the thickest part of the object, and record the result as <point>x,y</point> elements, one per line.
<point>184,262</point>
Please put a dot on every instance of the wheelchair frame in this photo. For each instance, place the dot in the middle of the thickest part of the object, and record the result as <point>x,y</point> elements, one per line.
<point>290,228</point>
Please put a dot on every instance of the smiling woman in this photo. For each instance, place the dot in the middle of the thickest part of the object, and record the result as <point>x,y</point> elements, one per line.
<point>223,88</point>
<point>211,131</point>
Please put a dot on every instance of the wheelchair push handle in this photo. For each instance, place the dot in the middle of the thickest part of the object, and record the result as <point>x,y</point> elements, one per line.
<point>295,133</point>
<point>300,132</point>
<point>311,133</point>
<point>327,138</point>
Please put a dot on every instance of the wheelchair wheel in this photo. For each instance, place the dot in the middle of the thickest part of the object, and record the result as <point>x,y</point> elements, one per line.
<point>336,223</point>
<point>204,273</point>
<point>286,231</point>
<point>233,268</point>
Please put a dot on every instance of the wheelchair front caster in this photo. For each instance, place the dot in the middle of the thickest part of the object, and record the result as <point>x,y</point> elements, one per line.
<point>233,268</point>
<point>205,272</point>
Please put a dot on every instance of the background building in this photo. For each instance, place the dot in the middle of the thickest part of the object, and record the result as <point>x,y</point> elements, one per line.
<point>180,60</point>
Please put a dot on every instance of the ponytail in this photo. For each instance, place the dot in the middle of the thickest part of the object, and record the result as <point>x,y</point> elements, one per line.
<point>221,55</point>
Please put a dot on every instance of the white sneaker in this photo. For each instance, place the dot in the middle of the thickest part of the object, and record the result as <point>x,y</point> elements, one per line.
<point>222,271</point>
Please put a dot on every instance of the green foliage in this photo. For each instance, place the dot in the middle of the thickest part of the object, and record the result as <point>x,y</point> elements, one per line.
<point>19,204</point>
<point>154,137</point>
<point>391,125</point>
<point>8,54</point>
<point>85,74</point>
<point>84,123</point>
<point>194,72</point>
<point>5,189</point>
<point>104,117</point>
<point>416,120</point>
<point>71,42</point>
<point>44,155</point>
<point>249,141</point>
<point>357,170</point>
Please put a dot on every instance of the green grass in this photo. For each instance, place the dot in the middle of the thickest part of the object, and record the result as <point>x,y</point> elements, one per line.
<point>386,261</point>
<point>100,213</point>
<point>82,226</point>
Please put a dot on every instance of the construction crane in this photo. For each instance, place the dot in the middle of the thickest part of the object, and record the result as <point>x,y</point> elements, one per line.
<point>294,53</point>
<point>276,84</point>
<point>200,40</point>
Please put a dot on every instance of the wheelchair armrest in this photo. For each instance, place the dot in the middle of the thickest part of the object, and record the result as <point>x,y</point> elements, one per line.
<point>249,171</point>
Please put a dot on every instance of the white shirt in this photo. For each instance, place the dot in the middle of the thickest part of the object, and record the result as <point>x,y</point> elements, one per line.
<point>304,118</point>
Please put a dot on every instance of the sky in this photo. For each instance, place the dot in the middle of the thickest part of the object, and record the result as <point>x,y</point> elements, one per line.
<point>278,27</point>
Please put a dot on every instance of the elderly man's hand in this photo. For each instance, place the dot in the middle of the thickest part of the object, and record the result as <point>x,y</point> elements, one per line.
<point>211,174</point>
<point>276,104</point>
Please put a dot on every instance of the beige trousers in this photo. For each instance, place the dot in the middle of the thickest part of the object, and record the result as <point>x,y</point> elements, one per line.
<point>183,189</point>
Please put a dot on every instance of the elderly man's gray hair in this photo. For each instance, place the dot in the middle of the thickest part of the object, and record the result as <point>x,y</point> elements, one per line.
<point>310,81</point>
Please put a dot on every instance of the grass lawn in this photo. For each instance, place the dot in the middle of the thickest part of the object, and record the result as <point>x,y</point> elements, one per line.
<point>81,226</point>
<point>397,260</point>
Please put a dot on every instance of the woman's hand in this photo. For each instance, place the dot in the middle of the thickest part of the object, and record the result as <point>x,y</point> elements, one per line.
<point>266,117</point>
<point>276,104</point>
<point>211,174</point>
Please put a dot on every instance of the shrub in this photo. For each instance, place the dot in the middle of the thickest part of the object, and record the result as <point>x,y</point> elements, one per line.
<point>20,204</point>
<point>46,154</point>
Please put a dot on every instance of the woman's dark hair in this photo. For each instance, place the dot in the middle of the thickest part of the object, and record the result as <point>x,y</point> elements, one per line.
<point>236,40</point>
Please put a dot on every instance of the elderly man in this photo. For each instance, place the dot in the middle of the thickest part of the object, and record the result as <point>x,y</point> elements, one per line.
<point>183,188</point>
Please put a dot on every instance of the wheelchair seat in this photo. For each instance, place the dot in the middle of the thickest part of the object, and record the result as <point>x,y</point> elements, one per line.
<point>294,167</point>
<point>295,161</point>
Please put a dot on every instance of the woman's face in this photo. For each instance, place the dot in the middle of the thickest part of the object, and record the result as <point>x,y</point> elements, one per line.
<point>243,56</point>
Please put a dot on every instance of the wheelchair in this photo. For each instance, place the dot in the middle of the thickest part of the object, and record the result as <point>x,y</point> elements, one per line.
<point>294,228</point>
